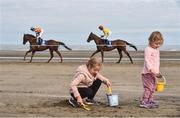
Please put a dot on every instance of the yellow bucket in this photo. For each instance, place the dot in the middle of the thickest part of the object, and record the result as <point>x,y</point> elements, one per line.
<point>160,84</point>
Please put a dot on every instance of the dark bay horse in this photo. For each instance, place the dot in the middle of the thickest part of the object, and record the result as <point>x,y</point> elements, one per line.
<point>118,44</point>
<point>52,45</point>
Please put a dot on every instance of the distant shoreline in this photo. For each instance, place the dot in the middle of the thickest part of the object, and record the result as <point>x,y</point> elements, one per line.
<point>85,47</point>
<point>87,54</point>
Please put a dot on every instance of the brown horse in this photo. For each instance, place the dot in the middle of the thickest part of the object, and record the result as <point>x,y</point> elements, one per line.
<point>120,45</point>
<point>52,45</point>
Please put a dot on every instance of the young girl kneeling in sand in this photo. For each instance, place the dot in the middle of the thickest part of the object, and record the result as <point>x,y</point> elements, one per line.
<point>150,71</point>
<point>86,83</point>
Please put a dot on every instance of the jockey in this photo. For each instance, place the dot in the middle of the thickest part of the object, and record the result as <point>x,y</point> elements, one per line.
<point>39,31</point>
<point>106,33</point>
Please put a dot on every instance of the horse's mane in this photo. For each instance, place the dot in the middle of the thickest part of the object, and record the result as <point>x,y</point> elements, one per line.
<point>29,35</point>
<point>94,35</point>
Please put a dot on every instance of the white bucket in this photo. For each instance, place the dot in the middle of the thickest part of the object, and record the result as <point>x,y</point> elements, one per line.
<point>113,99</point>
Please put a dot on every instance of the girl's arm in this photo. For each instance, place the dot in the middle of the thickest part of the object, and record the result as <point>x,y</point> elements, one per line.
<point>104,79</point>
<point>74,88</point>
<point>148,60</point>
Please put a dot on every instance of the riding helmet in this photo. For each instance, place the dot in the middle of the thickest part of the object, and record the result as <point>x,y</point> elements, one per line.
<point>101,27</point>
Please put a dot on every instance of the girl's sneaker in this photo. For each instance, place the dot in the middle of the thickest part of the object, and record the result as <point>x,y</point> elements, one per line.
<point>145,105</point>
<point>73,102</point>
<point>154,104</point>
<point>90,101</point>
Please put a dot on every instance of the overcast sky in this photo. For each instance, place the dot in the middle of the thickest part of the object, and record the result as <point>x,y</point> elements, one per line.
<point>72,20</point>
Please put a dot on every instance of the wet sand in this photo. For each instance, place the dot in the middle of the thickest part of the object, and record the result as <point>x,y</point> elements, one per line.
<point>41,89</point>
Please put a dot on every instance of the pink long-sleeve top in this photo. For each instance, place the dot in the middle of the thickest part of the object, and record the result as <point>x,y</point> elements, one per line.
<point>151,60</point>
<point>83,78</point>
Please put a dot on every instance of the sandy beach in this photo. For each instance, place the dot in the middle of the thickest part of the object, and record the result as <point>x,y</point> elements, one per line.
<point>41,89</point>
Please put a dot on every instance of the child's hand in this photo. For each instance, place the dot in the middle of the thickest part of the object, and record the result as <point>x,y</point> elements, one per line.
<point>108,83</point>
<point>158,75</point>
<point>79,100</point>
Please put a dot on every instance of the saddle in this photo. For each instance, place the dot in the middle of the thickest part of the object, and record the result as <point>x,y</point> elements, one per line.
<point>107,42</point>
<point>40,41</point>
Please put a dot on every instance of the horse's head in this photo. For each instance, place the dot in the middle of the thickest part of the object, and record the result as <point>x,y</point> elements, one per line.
<point>28,37</point>
<point>90,38</point>
<point>24,39</point>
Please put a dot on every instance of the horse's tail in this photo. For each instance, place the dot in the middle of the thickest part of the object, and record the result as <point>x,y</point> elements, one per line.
<point>61,43</point>
<point>131,45</point>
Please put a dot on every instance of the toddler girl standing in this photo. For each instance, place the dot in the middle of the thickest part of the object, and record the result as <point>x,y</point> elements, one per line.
<point>151,69</point>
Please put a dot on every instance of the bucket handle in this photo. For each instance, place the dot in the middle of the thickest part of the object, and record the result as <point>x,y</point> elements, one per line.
<point>164,80</point>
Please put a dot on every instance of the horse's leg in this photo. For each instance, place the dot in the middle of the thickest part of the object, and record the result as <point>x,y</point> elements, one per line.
<point>52,55</point>
<point>102,56</point>
<point>32,56</point>
<point>120,55</point>
<point>126,52</point>
<point>26,54</point>
<point>59,55</point>
<point>94,53</point>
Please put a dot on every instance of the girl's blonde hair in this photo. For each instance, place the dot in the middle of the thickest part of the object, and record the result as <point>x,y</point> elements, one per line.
<point>156,36</point>
<point>93,62</point>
